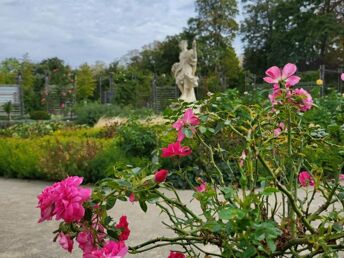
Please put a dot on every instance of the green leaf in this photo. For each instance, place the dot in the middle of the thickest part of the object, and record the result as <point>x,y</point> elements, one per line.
<point>110,202</point>
<point>270,190</point>
<point>187,132</point>
<point>202,129</point>
<point>231,213</point>
<point>143,206</point>
<point>249,252</point>
<point>113,233</point>
<point>136,170</point>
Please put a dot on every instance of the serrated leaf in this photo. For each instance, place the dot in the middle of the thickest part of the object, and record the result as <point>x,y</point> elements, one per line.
<point>143,206</point>
<point>202,129</point>
<point>270,190</point>
<point>110,202</point>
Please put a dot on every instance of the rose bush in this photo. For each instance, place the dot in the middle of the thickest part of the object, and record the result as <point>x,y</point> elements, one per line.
<point>268,209</point>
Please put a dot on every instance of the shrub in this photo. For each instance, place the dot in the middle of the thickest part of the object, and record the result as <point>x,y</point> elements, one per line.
<point>39,115</point>
<point>136,139</point>
<point>69,156</point>
<point>20,158</point>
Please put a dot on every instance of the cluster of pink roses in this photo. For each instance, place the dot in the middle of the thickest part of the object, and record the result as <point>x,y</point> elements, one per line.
<point>65,200</point>
<point>300,98</point>
<point>187,122</point>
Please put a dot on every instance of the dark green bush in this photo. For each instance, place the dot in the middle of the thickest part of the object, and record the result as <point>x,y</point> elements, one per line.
<point>39,115</point>
<point>136,139</point>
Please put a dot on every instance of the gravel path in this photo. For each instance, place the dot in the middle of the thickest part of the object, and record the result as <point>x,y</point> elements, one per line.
<point>21,236</point>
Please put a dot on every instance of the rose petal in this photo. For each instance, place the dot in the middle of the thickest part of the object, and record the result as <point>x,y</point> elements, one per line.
<point>288,70</point>
<point>274,72</point>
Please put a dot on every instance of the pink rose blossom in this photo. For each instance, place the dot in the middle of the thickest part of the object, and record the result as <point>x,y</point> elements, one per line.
<point>277,132</point>
<point>111,249</point>
<point>305,179</point>
<point>341,177</point>
<point>202,187</point>
<point>242,158</point>
<point>342,76</point>
<point>86,241</point>
<point>301,98</point>
<point>176,255</point>
<point>123,225</point>
<point>46,202</point>
<point>160,176</point>
<point>279,129</point>
<point>65,241</point>
<point>132,197</point>
<point>276,75</point>
<point>188,119</point>
<point>69,200</point>
<point>64,200</point>
<point>175,149</point>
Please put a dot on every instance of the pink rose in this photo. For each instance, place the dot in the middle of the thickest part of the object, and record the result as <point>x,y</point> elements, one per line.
<point>176,255</point>
<point>123,225</point>
<point>301,98</point>
<point>341,177</point>
<point>132,197</point>
<point>242,158</point>
<point>188,119</point>
<point>342,76</point>
<point>175,149</point>
<point>277,75</point>
<point>86,241</point>
<point>111,249</point>
<point>305,179</point>
<point>70,198</point>
<point>160,176</point>
<point>64,200</point>
<point>202,187</point>
<point>65,241</point>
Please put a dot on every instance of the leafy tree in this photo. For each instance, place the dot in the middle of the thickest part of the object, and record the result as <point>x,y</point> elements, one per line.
<point>305,32</point>
<point>215,27</point>
<point>85,85</point>
<point>9,69</point>
<point>8,108</point>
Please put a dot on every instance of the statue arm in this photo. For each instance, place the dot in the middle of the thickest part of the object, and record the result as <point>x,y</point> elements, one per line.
<point>194,58</point>
<point>194,49</point>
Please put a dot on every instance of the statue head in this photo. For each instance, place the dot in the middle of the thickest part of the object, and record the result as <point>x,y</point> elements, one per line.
<point>183,45</point>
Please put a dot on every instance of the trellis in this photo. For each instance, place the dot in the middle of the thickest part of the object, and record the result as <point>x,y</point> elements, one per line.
<point>11,93</point>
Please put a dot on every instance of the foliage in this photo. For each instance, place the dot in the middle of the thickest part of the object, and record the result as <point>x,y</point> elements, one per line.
<point>39,115</point>
<point>69,156</point>
<point>19,158</point>
<point>310,37</point>
<point>85,85</point>
<point>8,108</point>
<point>35,129</point>
<point>136,139</point>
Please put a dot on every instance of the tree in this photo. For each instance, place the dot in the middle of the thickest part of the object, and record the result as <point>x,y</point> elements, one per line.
<point>305,32</point>
<point>9,69</point>
<point>8,108</point>
<point>85,85</point>
<point>214,27</point>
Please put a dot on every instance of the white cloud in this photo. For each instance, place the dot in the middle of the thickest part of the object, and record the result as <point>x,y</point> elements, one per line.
<point>87,30</point>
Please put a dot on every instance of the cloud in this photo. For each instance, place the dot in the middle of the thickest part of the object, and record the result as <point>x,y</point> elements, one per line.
<point>87,30</point>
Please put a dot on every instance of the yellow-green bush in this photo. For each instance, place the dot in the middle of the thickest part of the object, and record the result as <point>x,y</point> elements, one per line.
<point>20,157</point>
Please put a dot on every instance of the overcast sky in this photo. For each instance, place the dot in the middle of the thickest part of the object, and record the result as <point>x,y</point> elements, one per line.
<point>81,31</point>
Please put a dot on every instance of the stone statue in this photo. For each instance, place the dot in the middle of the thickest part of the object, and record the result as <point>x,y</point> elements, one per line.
<point>184,71</point>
